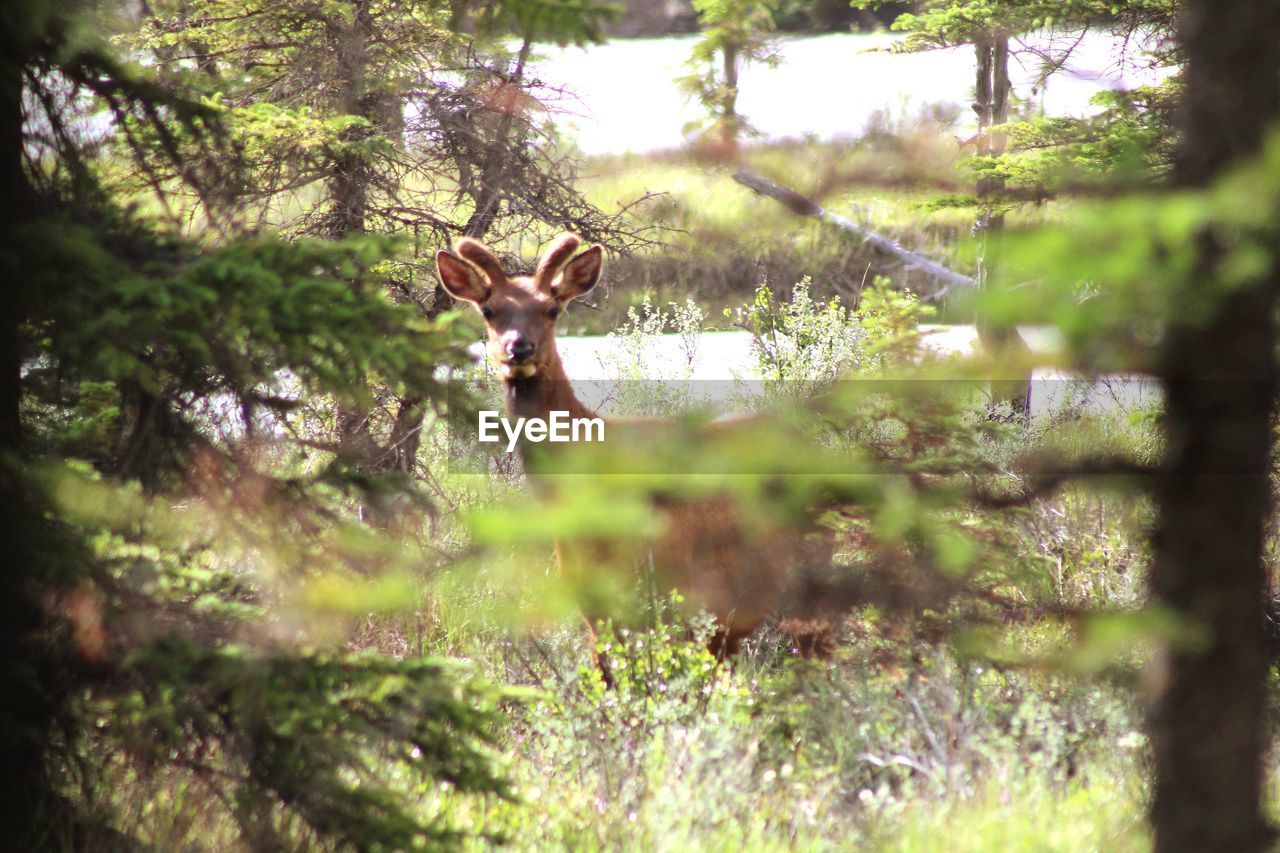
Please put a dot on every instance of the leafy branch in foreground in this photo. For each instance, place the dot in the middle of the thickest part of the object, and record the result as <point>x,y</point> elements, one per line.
<point>167,495</point>
<point>311,737</point>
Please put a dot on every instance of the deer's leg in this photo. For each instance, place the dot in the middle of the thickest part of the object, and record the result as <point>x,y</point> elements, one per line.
<point>600,661</point>
<point>813,638</point>
<point>572,557</point>
<point>726,642</point>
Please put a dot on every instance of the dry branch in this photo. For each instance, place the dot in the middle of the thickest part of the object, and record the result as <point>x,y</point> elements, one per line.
<point>804,206</point>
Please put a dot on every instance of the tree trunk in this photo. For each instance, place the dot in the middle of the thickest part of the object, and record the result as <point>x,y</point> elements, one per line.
<point>352,176</point>
<point>946,279</point>
<point>28,696</point>
<point>488,188</point>
<point>487,182</point>
<point>351,180</point>
<point>406,434</point>
<point>729,112</point>
<point>991,103</point>
<point>1207,722</point>
<point>12,208</point>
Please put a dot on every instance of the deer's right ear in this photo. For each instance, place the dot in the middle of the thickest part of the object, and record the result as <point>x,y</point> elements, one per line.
<point>461,279</point>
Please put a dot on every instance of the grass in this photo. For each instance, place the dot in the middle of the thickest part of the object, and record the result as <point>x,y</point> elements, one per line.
<point>781,755</point>
<point>728,240</point>
<point>1104,815</point>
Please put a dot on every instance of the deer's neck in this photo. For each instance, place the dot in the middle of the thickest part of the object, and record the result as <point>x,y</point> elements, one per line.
<point>547,391</point>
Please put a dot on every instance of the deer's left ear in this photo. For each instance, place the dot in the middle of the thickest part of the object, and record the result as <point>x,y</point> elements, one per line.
<point>579,275</point>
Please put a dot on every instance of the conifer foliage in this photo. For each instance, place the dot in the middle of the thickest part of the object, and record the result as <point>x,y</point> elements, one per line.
<point>161,342</point>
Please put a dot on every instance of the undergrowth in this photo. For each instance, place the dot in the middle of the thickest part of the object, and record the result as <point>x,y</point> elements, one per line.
<point>906,740</point>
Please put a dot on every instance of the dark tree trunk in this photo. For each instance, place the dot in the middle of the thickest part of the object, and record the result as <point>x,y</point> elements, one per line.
<point>1207,722</point>
<point>991,103</point>
<point>488,187</point>
<point>27,697</point>
<point>406,434</point>
<point>352,176</point>
<point>13,205</point>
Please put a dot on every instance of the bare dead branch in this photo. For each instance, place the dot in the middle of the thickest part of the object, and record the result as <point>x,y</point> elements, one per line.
<point>804,206</point>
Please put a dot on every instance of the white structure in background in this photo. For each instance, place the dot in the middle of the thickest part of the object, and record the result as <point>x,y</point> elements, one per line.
<point>723,358</point>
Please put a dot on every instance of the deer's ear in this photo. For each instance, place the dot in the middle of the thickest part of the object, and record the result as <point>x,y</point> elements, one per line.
<point>579,275</point>
<point>461,279</point>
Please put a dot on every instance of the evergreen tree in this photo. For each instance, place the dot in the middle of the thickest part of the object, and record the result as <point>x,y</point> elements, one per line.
<point>1032,159</point>
<point>153,488</point>
<point>375,116</point>
<point>1053,144</point>
<point>734,33</point>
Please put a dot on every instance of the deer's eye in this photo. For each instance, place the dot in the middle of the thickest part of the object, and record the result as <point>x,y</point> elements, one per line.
<point>553,311</point>
<point>486,312</point>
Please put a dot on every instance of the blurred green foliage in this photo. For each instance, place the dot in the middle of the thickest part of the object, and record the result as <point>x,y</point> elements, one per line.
<point>308,738</point>
<point>1124,270</point>
<point>942,23</point>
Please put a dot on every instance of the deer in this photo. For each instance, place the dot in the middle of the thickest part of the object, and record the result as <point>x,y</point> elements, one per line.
<point>735,571</point>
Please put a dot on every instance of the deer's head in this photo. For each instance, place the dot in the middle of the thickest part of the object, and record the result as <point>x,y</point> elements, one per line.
<point>520,312</point>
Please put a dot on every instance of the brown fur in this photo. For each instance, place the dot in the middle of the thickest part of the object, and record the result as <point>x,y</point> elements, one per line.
<point>736,571</point>
<point>557,256</point>
<point>482,256</point>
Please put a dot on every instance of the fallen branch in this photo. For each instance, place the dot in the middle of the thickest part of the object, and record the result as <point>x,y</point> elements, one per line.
<point>1049,480</point>
<point>803,206</point>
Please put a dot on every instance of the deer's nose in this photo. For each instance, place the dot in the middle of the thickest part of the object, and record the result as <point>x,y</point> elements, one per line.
<point>519,348</point>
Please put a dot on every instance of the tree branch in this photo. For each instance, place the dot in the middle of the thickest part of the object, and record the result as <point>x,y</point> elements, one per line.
<point>804,206</point>
<point>1048,481</point>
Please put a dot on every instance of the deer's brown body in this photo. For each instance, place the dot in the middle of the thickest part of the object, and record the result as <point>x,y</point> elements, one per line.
<point>737,572</point>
